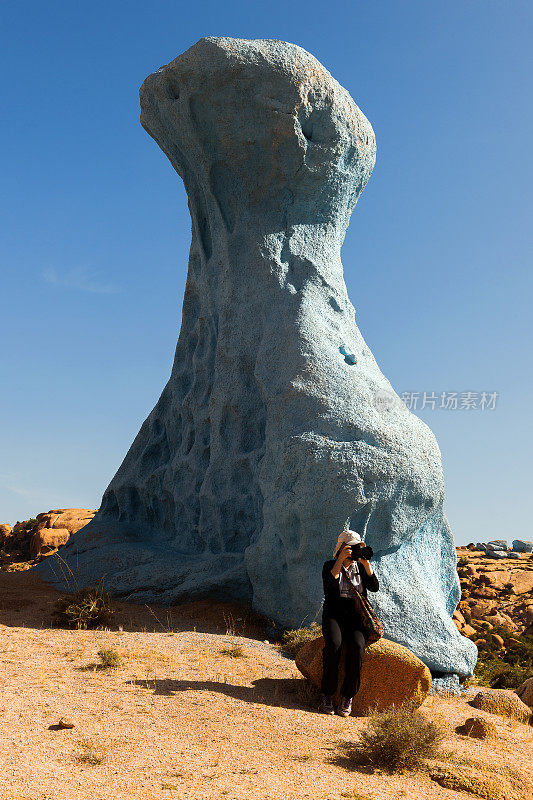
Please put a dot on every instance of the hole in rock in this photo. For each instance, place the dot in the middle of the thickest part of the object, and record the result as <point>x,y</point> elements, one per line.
<point>173,90</point>
<point>349,358</point>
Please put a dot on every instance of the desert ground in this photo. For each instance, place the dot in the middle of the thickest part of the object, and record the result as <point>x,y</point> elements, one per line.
<point>181,718</point>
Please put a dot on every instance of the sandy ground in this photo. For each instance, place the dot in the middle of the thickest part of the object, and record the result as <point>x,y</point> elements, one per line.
<point>181,719</point>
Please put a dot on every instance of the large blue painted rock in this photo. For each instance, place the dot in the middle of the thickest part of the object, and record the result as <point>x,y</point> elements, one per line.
<point>276,427</point>
<point>520,546</point>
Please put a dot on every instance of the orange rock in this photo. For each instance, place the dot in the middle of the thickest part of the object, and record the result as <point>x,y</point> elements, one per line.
<point>390,674</point>
<point>522,581</point>
<point>5,529</point>
<point>496,639</point>
<point>525,692</point>
<point>503,620</point>
<point>468,631</point>
<point>481,608</point>
<point>504,702</point>
<point>73,519</point>
<point>478,728</point>
<point>45,541</point>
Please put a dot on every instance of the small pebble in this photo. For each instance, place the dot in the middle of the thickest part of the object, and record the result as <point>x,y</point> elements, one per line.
<point>65,723</point>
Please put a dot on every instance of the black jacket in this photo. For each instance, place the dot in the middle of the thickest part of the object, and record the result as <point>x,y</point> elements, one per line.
<point>332,598</point>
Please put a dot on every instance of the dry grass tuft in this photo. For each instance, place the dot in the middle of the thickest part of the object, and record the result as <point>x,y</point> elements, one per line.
<point>397,739</point>
<point>110,658</point>
<point>86,608</point>
<point>91,753</point>
<point>294,640</point>
<point>236,651</point>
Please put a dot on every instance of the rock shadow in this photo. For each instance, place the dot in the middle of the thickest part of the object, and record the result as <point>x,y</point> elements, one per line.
<point>280,692</point>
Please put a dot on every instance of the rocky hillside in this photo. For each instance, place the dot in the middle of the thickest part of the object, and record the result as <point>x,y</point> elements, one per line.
<point>496,594</point>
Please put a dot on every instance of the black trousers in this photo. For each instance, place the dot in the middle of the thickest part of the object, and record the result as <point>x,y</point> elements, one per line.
<point>342,625</point>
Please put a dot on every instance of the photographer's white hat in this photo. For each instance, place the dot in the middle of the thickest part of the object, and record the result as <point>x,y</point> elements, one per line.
<point>347,537</point>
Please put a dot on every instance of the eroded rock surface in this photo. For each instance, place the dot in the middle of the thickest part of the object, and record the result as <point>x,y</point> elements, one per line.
<point>276,427</point>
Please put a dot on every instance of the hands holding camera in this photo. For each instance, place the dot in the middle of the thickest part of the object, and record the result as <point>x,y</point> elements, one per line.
<point>356,552</point>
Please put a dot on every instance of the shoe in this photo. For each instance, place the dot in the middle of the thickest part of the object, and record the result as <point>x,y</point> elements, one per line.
<point>345,708</point>
<point>326,704</point>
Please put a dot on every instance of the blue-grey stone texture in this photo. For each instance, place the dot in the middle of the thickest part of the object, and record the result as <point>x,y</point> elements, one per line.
<point>276,427</point>
<point>522,547</point>
<point>497,544</point>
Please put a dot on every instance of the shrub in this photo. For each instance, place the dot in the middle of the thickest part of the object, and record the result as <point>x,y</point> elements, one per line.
<point>110,658</point>
<point>90,754</point>
<point>234,652</point>
<point>294,640</point>
<point>86,608</point>
<point>398,738</point>
<point>505,668</point>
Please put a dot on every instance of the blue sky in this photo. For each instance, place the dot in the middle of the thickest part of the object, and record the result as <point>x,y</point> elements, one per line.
<point>95,231</point>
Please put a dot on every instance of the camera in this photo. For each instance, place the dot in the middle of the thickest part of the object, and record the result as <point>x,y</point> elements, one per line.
<point>361,550</point>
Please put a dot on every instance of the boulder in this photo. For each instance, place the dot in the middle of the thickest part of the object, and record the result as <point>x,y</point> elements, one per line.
<point>475,783</point>
<point>497,553</point>
<point>521,546</point>
<point>5,530</point>
<point>468,630</point>
<point>498,544</point>
<point>497,640</point>
<point>522,581</point>
<point>276,427</point>
<point>504,702</point>
<point>390,674</point>
<point>525,692</point>
<point>503,621</point>
<point>45,541</point>
<point>23,539</point>
<point>481,546</point>
<point>499,578</point>
<point>481,608</point>
<point>478,728</point>
<point>73,519</point>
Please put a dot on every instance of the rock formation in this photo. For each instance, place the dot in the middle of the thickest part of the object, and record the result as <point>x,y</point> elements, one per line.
<point>494,594</point>
<point>276,427</point>
<point>40,537</point>
<point>503,702</point>
<point>390,675</point>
